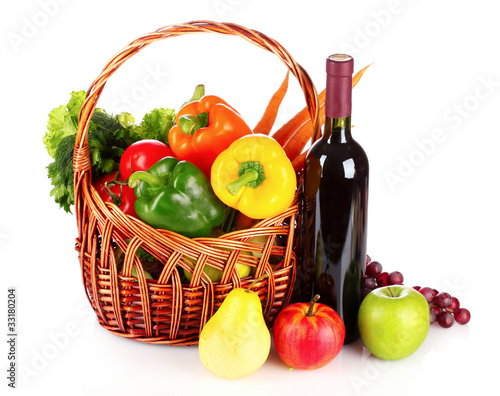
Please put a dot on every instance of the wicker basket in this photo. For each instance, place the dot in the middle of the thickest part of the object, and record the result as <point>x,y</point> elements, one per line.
<point>165,310</point>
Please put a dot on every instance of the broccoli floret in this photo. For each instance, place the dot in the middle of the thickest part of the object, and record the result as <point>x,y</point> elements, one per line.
<point>107,141</point>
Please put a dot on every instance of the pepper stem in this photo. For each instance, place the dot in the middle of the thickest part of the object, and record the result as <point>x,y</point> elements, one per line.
<point>117,200</point>
<point>136,177</point>
<point>311,305</point>
<point>190,123</point>
<point>249,176</point>
<point>199,92</point>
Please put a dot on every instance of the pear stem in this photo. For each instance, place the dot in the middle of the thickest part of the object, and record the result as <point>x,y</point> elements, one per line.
<point>255,281</point>
<point>311,305</point>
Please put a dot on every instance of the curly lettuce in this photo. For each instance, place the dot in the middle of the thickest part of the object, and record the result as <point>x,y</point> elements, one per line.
<point>156,124</point>
<point>107,140</point>
<point>63,121</point>
<point>108,137</point>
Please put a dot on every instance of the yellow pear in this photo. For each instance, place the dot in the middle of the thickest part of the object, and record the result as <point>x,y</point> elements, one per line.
<point>235,341</point>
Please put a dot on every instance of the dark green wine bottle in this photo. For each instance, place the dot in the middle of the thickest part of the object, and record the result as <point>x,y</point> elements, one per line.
<point>336,203</point>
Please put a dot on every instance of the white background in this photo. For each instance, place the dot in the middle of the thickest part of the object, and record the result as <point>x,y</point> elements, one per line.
<point>436,75</point>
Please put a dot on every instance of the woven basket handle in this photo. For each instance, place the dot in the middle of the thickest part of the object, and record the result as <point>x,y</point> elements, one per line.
<point>81,158</point>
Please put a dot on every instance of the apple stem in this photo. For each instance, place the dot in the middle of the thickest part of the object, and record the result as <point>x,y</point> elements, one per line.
<point>255,281</point>
<point>390,291</point>
<point>311,305</point>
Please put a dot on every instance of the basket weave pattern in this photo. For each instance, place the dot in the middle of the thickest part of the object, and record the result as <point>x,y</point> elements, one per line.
<point>165,311</point>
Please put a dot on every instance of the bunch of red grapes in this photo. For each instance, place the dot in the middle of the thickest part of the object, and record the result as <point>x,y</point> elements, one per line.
<point>444,308</point>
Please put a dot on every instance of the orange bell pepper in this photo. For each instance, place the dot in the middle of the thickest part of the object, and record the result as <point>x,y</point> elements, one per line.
<point>203,129</point>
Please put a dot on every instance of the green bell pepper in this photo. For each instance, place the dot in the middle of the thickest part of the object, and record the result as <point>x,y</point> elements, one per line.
<point>175,195</point>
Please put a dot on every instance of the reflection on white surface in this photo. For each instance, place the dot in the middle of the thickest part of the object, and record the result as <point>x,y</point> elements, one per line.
<point>100,363</point>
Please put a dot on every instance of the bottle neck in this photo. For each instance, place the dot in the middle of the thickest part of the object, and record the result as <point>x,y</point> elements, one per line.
<point>337,130</point>
<point>338,99</point>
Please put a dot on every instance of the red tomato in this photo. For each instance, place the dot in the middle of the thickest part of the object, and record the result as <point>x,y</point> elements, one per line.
<point>141,155</point>
<point>125,197</point>
<point>308,342</point>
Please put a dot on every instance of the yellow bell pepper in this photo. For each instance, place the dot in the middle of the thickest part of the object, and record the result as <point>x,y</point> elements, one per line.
<point>254,176</point>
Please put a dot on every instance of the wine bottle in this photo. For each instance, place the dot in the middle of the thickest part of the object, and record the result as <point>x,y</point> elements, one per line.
<point>336,198</point>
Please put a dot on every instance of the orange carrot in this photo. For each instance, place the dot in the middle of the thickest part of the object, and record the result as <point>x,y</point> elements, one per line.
<point>296,143</point>
<point>269,117</point>
<point>359,74</point>
<point>288,129</point>
<point>298,162</point>
<point>300,136</point>
<point>283,134</point>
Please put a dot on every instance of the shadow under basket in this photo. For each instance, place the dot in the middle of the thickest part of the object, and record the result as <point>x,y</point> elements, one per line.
<point>115,250</point>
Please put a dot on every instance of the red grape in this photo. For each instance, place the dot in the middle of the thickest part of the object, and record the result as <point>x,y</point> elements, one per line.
<point>373,269</point>
<point>433,316</point>
<point>370,283</point>
<point>442,300</point>
<point>455,304</point>
<point>444,308</point>
<point>382,279</point>
<point>436,310</point>
<point>445,319</point>
<point>462,316</point>
<point>395,278</point>
<point>428,293</point>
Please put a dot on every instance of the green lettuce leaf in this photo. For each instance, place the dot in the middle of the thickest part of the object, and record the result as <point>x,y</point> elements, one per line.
<point>156,124</point>
<point>63,121</point>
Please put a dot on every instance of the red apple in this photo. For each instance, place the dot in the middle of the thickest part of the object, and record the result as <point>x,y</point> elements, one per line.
<point>308,335</point>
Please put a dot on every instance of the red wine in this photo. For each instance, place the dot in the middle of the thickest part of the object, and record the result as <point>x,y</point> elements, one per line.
<point>336,198</point>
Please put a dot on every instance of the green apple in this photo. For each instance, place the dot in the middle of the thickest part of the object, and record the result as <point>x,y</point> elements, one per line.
<point>262,240</point>
<point>147,275</point>
<point>393,321</point>
<point>259,239</point>
<point>215,275</point>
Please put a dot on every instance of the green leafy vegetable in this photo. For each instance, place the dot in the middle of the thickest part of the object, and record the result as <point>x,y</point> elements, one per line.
<point>156,124</point>
<point>63,121</point>
<point>127,120</point>
<point>107,139</point>
<point>60,173</point>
